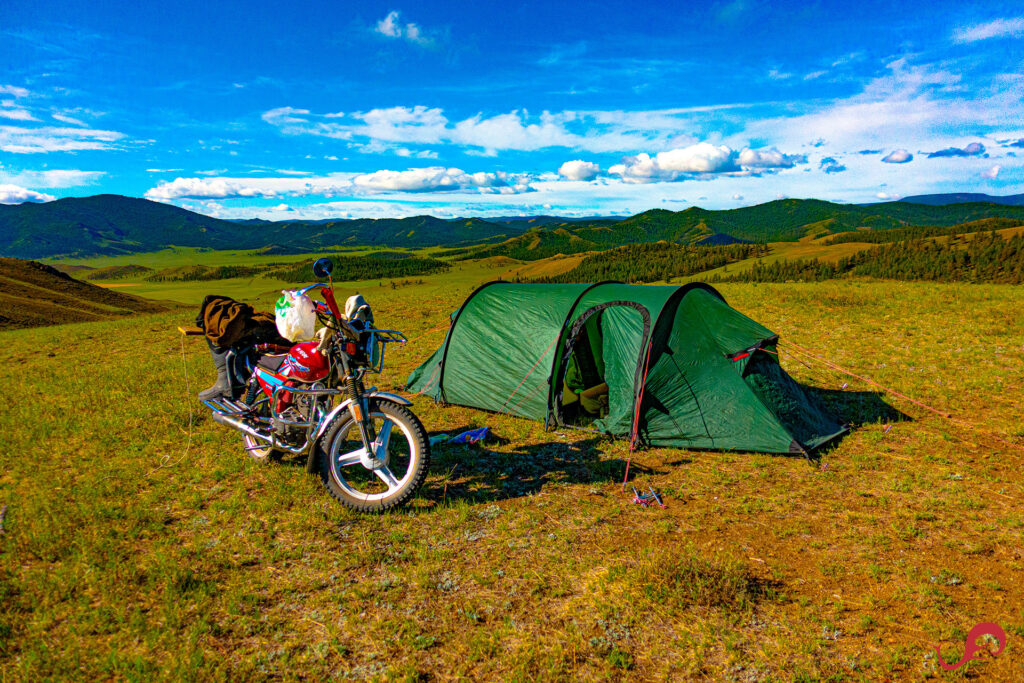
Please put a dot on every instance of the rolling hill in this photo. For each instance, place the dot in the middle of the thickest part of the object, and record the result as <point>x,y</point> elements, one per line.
<point>784,220</point>
<point>33,295</point>
<point>111,224</point>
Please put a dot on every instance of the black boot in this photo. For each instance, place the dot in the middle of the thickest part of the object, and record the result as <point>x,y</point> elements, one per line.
<point>222,387</point>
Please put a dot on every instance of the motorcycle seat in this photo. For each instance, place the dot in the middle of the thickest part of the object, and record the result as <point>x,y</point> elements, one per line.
<point>271,361</point>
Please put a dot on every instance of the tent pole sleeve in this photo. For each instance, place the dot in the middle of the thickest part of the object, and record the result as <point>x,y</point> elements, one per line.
<point>451,334</point>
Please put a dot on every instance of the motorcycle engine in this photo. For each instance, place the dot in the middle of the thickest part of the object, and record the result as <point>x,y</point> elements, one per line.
<point>302,409</point>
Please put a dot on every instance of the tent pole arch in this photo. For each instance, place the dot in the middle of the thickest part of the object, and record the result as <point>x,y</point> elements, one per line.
<point>647,348</point>
<point>570,343</point>
<point>558,344</point>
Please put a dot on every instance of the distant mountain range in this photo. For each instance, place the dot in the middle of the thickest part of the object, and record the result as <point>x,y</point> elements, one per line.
<point>964,197</point>
<point>112,224</point>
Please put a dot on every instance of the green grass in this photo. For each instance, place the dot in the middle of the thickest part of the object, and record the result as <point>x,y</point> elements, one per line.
<point>141,543</point>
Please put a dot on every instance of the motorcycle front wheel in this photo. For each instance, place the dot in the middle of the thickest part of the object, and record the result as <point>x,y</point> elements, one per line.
<point>402,454</point>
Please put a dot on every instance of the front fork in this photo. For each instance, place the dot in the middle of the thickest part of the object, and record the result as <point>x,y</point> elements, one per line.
<point>360,410</point>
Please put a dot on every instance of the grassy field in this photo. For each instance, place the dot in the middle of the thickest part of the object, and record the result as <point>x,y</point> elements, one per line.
<point>141,543</point>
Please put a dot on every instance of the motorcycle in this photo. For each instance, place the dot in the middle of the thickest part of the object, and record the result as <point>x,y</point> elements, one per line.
<point>369,448</point>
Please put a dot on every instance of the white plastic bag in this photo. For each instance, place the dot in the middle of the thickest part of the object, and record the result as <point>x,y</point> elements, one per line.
<point>295,316</point>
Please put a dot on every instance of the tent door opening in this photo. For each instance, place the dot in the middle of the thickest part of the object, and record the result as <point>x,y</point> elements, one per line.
<point>594,387</point>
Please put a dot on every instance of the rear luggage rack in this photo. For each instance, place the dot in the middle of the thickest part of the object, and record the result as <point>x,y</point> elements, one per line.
<point>376,341</point>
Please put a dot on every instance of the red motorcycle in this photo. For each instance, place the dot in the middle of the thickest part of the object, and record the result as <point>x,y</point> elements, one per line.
<point>370,450</point>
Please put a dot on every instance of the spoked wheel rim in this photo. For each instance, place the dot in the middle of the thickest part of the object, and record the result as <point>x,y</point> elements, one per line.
<point>395,449</point>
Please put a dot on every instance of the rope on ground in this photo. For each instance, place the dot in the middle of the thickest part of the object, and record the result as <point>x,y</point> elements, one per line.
<point>867,380</point>
<point>636,416</point>
<point>811,355</point>
<point>433,376</point>
<point>191,417</point>
<point>442,326</point>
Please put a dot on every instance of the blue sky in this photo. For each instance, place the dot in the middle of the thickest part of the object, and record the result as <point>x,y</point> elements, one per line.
<point>336,109</point>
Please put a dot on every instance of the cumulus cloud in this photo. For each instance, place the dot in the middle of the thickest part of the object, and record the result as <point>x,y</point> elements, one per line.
<point>888,196</point>
<point>391,27</point>
<point>972,150</point>
<point>50,179</point>
<point>769,158</point>
<point>830,165</point>
<point>12,194</point>
<point>992,172</point>
<point>898,156</point>
<point>433,179</point>
<point>998,28</point>
<point>700,160</point>
<point>579,170</point>
<point>416,180</point>
<point>19,140</point>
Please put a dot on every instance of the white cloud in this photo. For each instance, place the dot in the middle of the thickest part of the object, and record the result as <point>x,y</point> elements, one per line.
<point>593,131</point>
<point>998,28</point>
<point>918,105</point>
<point>814,74</point>
<point>164,170</point>
<point>886,195</point>
<point>579,170</point>
<point>737,197</point>
<point>417,180</point>
<point>64,118</point>
<point>992,172</point>
<point>391,27</point>
<point>19,140</point>
<point>13,90</point>
<point>898,156</point>
<point>12,194</point>
<point>701,159</point>
<point>769,158</point>
<point>51,179</point>
<point>9,110</point>
<point>433,179</point>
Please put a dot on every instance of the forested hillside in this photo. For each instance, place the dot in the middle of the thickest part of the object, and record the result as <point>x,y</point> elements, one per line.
<point>987,258</point>
<point>653,262</point>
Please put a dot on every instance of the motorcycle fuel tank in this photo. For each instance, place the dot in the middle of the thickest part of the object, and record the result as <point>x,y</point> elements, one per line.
<point>305,363</point>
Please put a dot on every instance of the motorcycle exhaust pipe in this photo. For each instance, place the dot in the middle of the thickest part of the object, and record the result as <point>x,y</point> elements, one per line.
<point>235,423</point>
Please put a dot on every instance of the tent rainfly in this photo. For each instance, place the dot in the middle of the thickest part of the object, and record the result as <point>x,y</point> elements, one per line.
<point>661,366</point>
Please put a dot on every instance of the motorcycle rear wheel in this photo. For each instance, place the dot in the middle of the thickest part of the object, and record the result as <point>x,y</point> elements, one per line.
<point>259,450</point>
<point>405,451</point>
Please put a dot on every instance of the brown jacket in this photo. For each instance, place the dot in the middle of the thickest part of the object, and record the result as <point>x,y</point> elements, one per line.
<point>226,321</point>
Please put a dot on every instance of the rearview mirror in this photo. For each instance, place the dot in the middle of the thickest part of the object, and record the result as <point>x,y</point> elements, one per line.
<point>323,268</point>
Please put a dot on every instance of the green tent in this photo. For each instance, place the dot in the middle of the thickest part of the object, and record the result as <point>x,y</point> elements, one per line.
<point>663,366</point>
